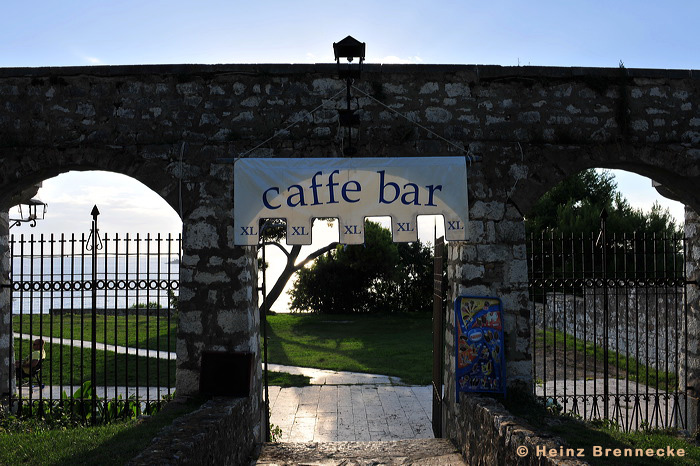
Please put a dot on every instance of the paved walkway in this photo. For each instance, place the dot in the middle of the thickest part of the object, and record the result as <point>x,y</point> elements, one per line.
<point>54,392</point>
<point>330,413</point>
<point>349,406</point>
<point>100,346</point>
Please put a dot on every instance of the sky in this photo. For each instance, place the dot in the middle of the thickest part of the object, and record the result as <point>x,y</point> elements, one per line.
<point>582,33</point>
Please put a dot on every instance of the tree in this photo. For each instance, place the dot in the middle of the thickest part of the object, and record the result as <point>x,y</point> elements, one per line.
<point>575,204</point>
<point>272,232</point>
<point>379,276</point>
<point>571,213</point>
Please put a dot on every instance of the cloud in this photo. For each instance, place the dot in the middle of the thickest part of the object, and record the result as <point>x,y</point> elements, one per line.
<point>92,60</point>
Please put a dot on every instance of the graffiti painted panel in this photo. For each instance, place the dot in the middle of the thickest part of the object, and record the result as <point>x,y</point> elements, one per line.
<point>480,355</point>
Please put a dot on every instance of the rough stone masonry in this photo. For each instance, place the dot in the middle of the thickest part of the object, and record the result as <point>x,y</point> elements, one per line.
<point>175,129</point>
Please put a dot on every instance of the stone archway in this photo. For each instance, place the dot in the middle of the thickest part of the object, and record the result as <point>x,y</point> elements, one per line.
<point>526,127</point>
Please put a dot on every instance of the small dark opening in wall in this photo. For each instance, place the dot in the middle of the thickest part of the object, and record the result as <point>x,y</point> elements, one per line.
<point>225,373</point>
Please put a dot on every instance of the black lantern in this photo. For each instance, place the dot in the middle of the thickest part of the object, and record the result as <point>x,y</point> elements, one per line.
<point>350,49</point>
<point>29,212</point>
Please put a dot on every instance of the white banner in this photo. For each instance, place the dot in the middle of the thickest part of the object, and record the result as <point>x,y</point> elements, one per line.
<point>299,190</point>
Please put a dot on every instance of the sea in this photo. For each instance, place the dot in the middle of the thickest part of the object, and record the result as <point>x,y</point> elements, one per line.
<point>40,284</point>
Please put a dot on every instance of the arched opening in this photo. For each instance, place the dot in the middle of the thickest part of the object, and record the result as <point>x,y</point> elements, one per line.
<point>358,394</point>
<point>609,319</point>
<point>100,288</point>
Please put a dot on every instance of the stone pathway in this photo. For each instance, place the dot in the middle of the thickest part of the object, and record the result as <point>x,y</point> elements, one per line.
<point>150,353</point>
<point>330,413</point>
<point>425,452</point>
<point>54,392</point>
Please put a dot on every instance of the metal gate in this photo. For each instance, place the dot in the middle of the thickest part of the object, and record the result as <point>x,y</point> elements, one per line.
<point>609,327</point>
<point>438,335</point>
<point>106,309</point>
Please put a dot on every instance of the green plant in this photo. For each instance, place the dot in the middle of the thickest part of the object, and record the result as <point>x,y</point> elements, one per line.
<point>275,433</point>
<point>149,305</point>
<point>553,406</point>
<point>77,409</point>
<point>33,441</point>
<point>603,423</point>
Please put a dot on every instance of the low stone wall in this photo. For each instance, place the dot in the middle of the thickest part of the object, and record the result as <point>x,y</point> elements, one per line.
<point>488,434</point>
<point>219,432</point>
<point>642,323</point>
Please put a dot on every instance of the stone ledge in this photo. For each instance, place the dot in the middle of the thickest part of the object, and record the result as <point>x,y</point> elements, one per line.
<point>488,434</point>
<point>216,433</point>
<point>484,72</point>
<point>423,452</point>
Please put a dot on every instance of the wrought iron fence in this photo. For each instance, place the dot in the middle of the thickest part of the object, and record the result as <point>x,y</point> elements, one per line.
<point>105,308</point>
<point>609,327</point>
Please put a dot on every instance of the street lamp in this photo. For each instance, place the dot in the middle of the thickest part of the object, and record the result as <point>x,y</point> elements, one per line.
<point>29,212</point>
<point>350,49</point>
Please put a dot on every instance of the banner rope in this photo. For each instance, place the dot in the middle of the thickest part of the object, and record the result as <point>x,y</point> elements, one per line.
<point>471,158</point>
<point>278,132</point>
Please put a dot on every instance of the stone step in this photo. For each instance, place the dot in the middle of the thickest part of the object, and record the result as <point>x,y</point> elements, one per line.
<point>424,452</point>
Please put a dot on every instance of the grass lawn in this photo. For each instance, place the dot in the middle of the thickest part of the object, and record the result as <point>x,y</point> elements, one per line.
<point>284,380</point>
<point>66,365</point>
<point>586,435</point>
<point>30,442</point>
<point>636,371</point>
<point>155,333</point>
<point>396,345</point>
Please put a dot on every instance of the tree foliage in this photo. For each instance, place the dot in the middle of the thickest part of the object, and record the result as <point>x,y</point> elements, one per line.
<point>379,276</point>
<point>565,228</point>
<point>272,231</point>
<point>574,207</point>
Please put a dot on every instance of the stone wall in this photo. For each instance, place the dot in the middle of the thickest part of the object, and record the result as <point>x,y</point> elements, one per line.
<point>7,357</point>
<point>492,263</point>
<point>690,337</point>
<point>488,434</point>
<point>216,433</point>
<point>178,128</point>
<point>643,323</point>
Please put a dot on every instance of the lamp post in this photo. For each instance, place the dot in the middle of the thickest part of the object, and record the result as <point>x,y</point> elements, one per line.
<point>29,212</point>
<point>349,48</point>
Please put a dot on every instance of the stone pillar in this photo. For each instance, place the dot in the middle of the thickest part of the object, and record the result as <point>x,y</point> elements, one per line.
<point>492,263</point>
<point>7,381</point>
<point>218,309</point>
<point>692,355</point>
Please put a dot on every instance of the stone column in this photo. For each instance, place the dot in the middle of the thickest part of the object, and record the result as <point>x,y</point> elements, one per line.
<point>7,381</point>
<point>218,309</point>
<point>691,370</point>
<point>492,263</point>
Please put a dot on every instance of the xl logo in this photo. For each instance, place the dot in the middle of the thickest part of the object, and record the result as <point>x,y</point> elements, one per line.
<point>248,231</point>
<point>456,225</point>
<point>404,226</point>
<point>352,230</point>
<point>299,231</point>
